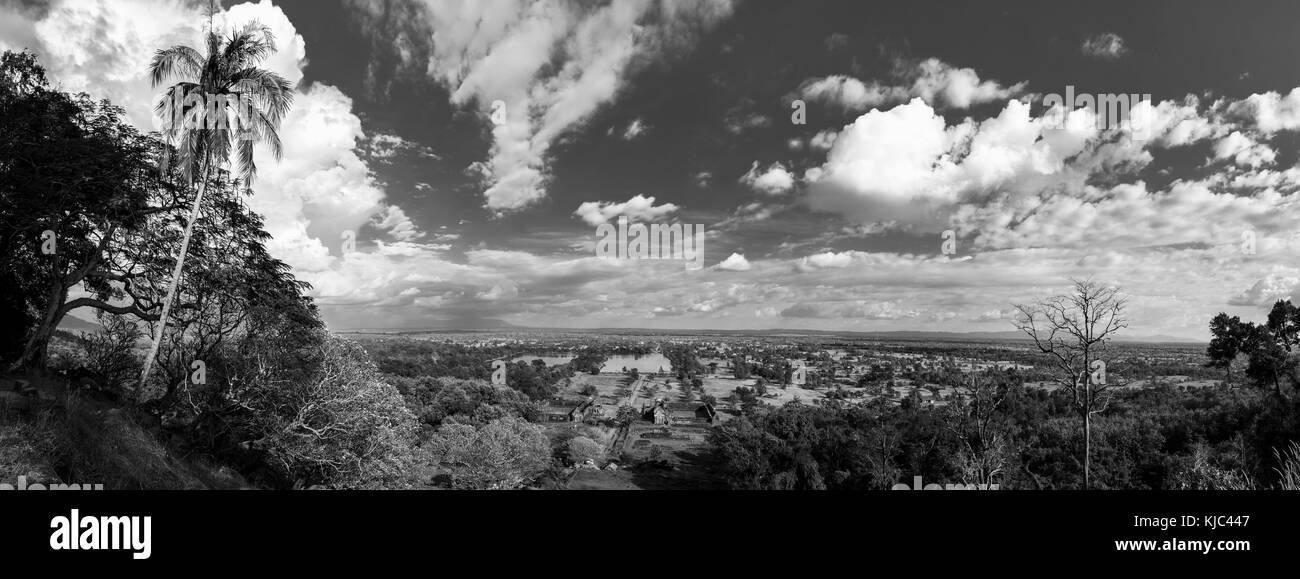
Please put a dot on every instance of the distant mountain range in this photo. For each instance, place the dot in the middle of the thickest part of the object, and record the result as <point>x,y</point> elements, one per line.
<point>495,324</point>
<point>74,324</point>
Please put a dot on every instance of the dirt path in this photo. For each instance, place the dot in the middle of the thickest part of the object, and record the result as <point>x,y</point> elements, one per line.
<point>636,388</point>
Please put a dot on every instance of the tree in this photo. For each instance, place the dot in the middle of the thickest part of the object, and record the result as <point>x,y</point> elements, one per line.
<point>583,449</point>
<point>1074,330</point>
<point>213,89</point>
<point>975,421</point>
<point>1269,348</point>
<point>740,368</point>
<point>626,415</point>
<point>503,454</point>
<point>71,167</point>
<point>319,412</point>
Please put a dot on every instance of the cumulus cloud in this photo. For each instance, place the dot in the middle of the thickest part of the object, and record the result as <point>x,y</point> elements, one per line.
<point>1267,291</point>
<point>933,80</point>
<point>774,180</point>
<point>886,165</point>
<point>735,262</point>
<point>1243,150</point>
<point>823,140</point>
<point>321,188</point>
<point>1016,180</point>
<point>546,66</point>
<point>1107,45</point>
<point>639,208</point>
<point>825,260</point>
<point>1270,112</point>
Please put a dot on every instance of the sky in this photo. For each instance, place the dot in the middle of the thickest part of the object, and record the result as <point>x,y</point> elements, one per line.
<point>829,149</point>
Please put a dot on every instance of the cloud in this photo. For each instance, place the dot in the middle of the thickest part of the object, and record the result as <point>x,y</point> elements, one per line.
<point>850,93</point>
<point>397,224</point>
<point>774,180</point>
<point>1107,46</point>
<point>823,140</point>
<point>634,129</point>
<point>1270,112</point>
<point>886,165</point>
<point>837,41</point>
<point>385,147</point>
<point>857,309</point>
<point>1268,291</point>
<point>1244,150</point>
<point>742,123</point>
<point>826,260</point>
<point>639,208</point>
<point>322,186</point>
<point>735,262</point>
<point>1006,176</point>
<point>548,64</point>
<point>933,80</point>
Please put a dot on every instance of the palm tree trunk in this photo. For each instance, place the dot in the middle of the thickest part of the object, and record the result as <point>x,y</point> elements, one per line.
<point>176,276</point>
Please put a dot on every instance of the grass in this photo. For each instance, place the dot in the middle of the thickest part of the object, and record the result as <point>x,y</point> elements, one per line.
<point>86,442</point>
<point>1289,467</point>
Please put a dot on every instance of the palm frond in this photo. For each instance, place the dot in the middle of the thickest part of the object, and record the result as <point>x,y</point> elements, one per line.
<point>272,92</point>
<point>176,62</point>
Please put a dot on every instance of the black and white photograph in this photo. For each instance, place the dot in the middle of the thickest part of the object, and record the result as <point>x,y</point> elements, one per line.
<point>733,252</point>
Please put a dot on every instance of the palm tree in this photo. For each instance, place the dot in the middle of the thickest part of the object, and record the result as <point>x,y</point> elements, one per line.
<point>225,104</point>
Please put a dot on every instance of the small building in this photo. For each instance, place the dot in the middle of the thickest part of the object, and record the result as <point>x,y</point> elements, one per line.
<point>659,415</point>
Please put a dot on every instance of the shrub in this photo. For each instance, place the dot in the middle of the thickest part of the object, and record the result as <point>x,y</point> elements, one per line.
<point>583,449</point>
<point>503,454</point>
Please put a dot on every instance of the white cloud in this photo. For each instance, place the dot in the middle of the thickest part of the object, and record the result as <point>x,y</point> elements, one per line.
<point>1271,112</point>
<point>634,129</point>
<point>318,190</point>
<point>1107,45</point>
<point>1267,291</point>
<point>774,180</point>
<point>396,223</point>
<point>933,80</point>
<point>823,140</point>
<point>1243,150</point>
<point>735,262</point>
<point>552,64</point>
<point>850,93</point>
<point>703,179</point>
<point>639,208</point>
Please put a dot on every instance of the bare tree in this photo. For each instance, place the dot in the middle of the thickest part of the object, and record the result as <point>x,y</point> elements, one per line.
<point>985,450</point>
<point>1074,330</point>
